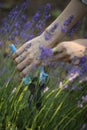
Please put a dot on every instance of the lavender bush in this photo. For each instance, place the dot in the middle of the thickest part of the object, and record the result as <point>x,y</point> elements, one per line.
<point>58,104</point>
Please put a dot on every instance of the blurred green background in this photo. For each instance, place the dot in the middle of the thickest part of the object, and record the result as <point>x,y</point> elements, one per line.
<point>57,7</point>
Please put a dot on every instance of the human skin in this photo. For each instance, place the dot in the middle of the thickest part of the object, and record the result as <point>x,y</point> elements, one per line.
<point>67,50</point>
<point>25,58</point>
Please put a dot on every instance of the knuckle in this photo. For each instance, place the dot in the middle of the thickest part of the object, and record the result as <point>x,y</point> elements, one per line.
<point>22,74</point>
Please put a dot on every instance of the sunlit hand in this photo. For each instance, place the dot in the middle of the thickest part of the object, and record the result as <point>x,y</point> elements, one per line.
<point>66,51</point>
<point>27,55</point>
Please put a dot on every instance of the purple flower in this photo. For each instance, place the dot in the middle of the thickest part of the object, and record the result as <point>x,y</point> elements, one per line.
<point>27,25</point>
<point>23,35</point>
<point>47,16</point>
<point>63,29</point>
<point>84,98</point>
<point>3,30</point>
<point>46,13</point>
<point>8,28</point>
<point>47,36</point>
<point>15,33</point>
<point>23,17</point>
<point>16,25</point>
<point>55,26</point>
<point>25,4</point>
<point>48,6</point>
<point>16,41</point>
<point>36,16</point>
<point>45,53</point>
<point>84,127</point>
<point>53,64</point>
<point>39,25</point>
<point>83,69</point>
<point>73,29</point>
<point>73,73</point>
<point>1,43</point>
<point>15,13</point>
<point>29,37</point>
<point>66,86</point>
<point>80,105</point>
<point>28,45</point>
<point>69,20</point>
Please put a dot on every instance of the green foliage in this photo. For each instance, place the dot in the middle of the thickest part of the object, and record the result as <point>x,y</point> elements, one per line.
<point>59,109</point>
<point>56,13</point>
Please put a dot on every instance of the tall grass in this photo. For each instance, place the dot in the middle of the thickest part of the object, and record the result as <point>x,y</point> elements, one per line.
<point>61,107</point>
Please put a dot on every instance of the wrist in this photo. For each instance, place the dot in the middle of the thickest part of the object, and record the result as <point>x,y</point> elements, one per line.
<point>82,42</point>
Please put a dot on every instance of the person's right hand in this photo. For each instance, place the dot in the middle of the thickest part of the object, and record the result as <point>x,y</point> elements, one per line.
<point>26,56</point>
<point>66,51</point>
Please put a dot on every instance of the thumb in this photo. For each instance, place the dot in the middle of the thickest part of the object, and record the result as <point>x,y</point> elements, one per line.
<point>58,49</point>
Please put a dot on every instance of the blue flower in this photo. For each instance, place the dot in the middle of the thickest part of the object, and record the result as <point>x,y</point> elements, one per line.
<point>43,75</point>
<point>27,80</point>
<point>13,48</point>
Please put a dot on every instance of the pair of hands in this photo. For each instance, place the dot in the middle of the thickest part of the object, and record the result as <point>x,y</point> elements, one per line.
<point>26,56</point>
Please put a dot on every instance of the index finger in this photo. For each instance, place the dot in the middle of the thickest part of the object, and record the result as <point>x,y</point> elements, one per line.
<point>21,50</point>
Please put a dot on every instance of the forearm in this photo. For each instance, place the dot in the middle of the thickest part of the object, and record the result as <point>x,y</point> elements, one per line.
<point>76,10</point>
<point>82,42</point>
